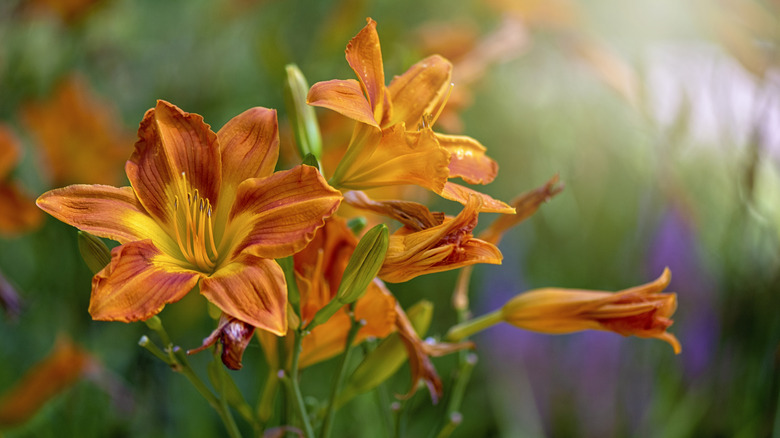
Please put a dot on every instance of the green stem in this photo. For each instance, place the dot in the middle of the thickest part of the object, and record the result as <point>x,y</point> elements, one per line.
<point>468,328</point>
<point>296,389</point>
<point>224,411</point>
<point>454,420</point>
<point>459,390</point>
<point>330,414</point>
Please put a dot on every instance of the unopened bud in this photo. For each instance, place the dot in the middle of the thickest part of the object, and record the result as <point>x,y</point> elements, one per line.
<point>303,119</point>
<point>94,251</point>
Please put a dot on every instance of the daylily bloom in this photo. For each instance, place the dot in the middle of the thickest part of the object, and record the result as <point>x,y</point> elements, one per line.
<point>642,311</point>
<point>202,208</point>
<point>437,245</point>
<point>17,213</point>
<point>393,142</point>
<point>318,270</point>
<point>81,136</point>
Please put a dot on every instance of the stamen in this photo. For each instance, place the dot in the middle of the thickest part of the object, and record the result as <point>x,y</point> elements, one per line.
<point>194,239</point>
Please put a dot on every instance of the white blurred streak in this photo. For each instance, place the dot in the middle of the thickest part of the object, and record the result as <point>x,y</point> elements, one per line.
<point>729,107</point>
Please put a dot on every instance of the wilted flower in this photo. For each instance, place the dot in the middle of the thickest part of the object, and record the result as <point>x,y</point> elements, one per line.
<point>203,208</point>
<point>442,246</point>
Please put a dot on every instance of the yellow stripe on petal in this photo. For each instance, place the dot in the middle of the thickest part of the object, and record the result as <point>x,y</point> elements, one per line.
<point>105,211</point>
<point>277,216</point>
<point>138,282</point>
<point>345,97</point>
<point>250,289</point>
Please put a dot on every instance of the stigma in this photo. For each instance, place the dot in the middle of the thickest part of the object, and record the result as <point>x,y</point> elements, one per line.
<point>193,226</point>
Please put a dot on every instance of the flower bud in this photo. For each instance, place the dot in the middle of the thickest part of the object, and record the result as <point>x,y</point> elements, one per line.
<point>302,116</point>
<point>94,251</point>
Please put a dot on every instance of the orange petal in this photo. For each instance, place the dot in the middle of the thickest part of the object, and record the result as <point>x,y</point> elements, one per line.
<point>400,158</point>
<point>419,90</point>
<point>468,159</point>
<point>9,151</point>
<point>137,283</point>
<point>251,289</point>
<point>62,368</point>
<point>412,214</point>
<point>458,193</point>
<point>171,143</point>
<point>17,211</point>
<point>250,145</point>
<point>280,214</point>
<point>105,211</point>
<point>364,55</point>
<point>344,97</point>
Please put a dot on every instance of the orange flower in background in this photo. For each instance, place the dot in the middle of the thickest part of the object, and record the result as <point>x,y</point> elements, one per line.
<point>61,369</point>
<point>318,269</point>
<point>442,247</point>
<point>641,311</point>
<point>17,212</point>
<point>203,208</point>
<point>393,142</point>
<point>81,137</point>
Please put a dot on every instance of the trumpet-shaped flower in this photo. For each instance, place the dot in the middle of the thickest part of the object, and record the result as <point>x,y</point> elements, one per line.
<point>393,142</point>
<point>202,208</point>
<point>640,311</point>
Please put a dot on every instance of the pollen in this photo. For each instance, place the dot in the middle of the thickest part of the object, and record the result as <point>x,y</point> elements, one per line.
<point>193,226</point>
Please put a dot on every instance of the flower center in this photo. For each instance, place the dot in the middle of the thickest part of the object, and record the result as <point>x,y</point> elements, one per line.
<point>193,226</point>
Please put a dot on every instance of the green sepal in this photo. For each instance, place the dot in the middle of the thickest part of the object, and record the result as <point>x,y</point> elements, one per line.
<point>94,251</point>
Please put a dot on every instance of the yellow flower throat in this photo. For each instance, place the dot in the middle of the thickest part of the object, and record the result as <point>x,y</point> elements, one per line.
<point>193,226</point>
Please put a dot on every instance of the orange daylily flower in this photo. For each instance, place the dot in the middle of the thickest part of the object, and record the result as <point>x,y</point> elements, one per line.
<point>17,213</point>
<point>62,368</point>
<point>318,270</point>
<point>444,246</point>
<point>393,142</point>
<point>202,208</point>
<point>640,311</point>
<point>81,136</point>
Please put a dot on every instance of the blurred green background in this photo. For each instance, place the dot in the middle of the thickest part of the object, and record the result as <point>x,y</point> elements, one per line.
<point>662,118</point>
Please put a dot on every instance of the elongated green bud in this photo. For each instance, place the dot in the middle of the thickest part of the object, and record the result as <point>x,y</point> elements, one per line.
<point>94,251</point>
<point>364,264</point>
<point>302,116</point>
<point>361,269</point>
<point>381,363</point>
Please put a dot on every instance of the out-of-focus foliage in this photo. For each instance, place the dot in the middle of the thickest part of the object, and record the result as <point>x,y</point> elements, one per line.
<point>661,118</point>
